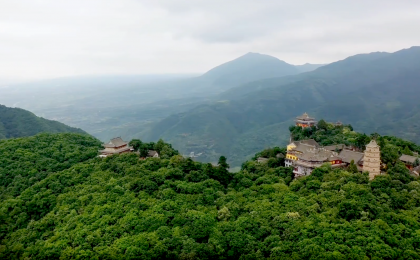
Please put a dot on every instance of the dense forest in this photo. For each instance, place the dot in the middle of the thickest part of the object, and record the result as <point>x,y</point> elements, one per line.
<point>58,200</point>
<point>17,122</point>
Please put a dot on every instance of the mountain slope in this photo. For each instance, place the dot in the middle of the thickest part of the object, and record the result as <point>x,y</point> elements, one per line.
<point>16,122</point>
<point>347,90</point>
<point>308,67</point>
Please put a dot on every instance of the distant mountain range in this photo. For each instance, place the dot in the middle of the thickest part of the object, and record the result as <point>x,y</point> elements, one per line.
<point>374,92</point>
<point>16,122</point>
<point>247,68</point>
<point>126,105</point>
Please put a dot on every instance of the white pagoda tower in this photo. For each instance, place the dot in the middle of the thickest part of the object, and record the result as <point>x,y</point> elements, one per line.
<point>372,160</point>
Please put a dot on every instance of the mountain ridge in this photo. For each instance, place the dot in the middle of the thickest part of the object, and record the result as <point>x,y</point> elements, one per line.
<point>282,99</point>
<point>17,122</point>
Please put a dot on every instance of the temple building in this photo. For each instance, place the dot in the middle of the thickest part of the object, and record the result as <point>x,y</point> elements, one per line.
<point>348,155</point>
<point>115,146</point>
<point>372,159</point>
<point>306,155</point>
<point>409,161</point>
<point>305,121</point>
<point>338,124</point>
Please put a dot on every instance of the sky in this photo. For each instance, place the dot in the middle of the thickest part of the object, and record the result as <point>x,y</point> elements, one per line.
<point>55,38</point>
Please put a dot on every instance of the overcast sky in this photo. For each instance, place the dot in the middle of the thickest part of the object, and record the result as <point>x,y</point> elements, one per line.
<point>54,38</point>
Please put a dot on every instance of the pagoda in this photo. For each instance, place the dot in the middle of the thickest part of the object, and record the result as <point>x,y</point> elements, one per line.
<point>305,121</point>
<point>372,159</point>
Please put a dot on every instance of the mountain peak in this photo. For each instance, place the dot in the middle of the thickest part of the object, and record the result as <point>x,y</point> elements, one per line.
<point>253,54</point>
<point>249,67</point>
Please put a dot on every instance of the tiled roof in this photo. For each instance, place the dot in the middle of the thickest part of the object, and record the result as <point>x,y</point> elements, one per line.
<point>348,156</point>
<point>408,158</point>
<point>334,147</point>
<point>152,153</point>
<point>124,149</point>
<point>305,116</point>
<point>318,155</point>
<point>115,142</point>
<point>310,142</point>
<point>372,144</point>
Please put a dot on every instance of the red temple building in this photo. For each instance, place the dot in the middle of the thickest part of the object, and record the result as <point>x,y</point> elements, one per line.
<point>305,121</point>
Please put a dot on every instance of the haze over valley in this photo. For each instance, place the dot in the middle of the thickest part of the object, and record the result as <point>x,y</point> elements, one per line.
<point>128,106</point>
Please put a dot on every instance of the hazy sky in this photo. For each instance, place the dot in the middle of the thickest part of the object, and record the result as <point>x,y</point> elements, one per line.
<point>53,38</point>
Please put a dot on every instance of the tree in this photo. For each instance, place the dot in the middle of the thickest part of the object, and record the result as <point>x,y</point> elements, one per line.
<point>416,162</point>
<point>144,150</point>
<point>362,141</point>
<point>322,124</point>
<point>136,144</point>
<point>407,151</point>
<point>223,162</point>
<point>353,167</point>
<point>389,154</point>
<point>159,146</point>
<point>374,136</point>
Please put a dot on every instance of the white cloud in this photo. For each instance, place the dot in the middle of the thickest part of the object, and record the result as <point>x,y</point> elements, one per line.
<point>49,38</point>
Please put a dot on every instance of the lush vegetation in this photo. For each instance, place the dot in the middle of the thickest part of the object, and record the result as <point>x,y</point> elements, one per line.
<point>16,122</point>
<point>78,206</point>
<point>374,92</point>
<point>164,150</point>
<point>26,161</point>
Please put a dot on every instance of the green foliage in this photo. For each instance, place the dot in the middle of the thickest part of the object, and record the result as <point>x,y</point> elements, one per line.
<point>353,167</point>
<point>26,161</point>
<point>164,150</point>
<point>121,207</point>
<point>16,122</point>
<point>322,125</point>
<point>407,151</point>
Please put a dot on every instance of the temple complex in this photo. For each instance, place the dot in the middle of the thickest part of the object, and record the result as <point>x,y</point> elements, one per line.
<point>306,155</point>
<point>305,121</point>
<point>115,146</point>
<point>372,160</point>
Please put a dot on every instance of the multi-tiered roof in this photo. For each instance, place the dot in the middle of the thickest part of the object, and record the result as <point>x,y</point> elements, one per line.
<point>305,120</point>
<point>115,146</point>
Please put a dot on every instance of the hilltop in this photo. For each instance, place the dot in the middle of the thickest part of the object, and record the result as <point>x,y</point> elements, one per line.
<point>16,122</point>
<point>76,205</point>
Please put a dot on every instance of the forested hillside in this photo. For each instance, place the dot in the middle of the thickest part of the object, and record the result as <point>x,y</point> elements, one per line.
<point>80,207</point>
<point>374,92</point>
<point>16,122</point>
